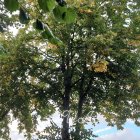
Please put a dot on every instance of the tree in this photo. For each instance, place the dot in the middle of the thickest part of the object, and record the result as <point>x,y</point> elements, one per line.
<point>93,68</point>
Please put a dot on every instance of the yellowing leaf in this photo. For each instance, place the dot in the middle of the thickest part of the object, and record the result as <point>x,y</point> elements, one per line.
<point>99,66</point>
<point>88,11</point>
<point>21,93</point>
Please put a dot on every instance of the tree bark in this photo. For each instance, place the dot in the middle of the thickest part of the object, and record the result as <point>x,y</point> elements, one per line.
<point>80,106</point>
<point>79,115</point>
<point>82,96</point>
<point>66,97</point>
<point>65,123</point>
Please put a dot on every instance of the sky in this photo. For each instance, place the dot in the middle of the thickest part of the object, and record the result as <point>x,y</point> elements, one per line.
<point>104,132</point>
<point>130,132</point>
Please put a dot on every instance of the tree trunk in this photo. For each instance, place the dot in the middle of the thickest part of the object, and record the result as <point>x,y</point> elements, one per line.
<point>79,115</point>
<point>66,70</point>
<point>65,123</point>
<point>66,106</point>
<point>82,96</point>
<point>79,111</point>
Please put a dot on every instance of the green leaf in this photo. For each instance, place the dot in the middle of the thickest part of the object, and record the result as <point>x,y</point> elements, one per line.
<point>11,5</point>
<point>2,52</point>
<point>47,34</point>
<point>56,41</point>
<point>70,16</point>
<point>46,5</point>
<point>59,12</point>
<point>1,49</point>
<point>63,14</point>
<point>23,17</point>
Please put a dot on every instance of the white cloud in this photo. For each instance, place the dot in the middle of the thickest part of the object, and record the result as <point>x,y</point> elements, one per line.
<point>13,30</point>
<point>16,136</point>
<point>125,134</point>
<point>102,130</point>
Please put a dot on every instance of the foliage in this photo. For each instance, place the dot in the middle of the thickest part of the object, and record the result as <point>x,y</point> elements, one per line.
<point>4,19</point>
<point>90,68</point>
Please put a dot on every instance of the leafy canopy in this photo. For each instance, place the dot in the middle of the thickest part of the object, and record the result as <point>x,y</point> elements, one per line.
<point>87,67</point>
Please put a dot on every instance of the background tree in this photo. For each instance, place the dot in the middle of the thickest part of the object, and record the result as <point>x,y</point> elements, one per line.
<point>93,68</point>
